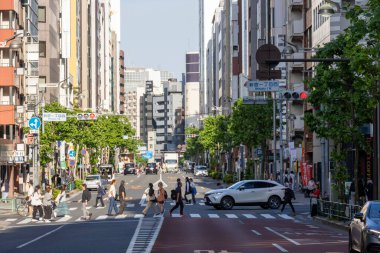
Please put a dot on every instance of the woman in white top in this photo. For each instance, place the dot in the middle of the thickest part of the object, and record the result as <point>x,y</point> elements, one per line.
<point>37,203</point>
<point>62,208</point>
<point>112,199</point>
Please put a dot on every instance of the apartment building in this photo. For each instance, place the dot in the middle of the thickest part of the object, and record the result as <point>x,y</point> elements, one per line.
<point>192,90</point>
<point>122,82</point>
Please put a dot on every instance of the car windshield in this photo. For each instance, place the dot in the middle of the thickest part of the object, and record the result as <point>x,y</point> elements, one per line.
<point>92,178</point>
<point>201,168</point>
<point>374,211</point>
<point>171,161</point>
<point>235,185</point>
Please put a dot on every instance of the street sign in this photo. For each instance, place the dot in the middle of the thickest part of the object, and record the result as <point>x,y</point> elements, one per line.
<point>52,116</point>
<point>87,116</point>
<point>263,86</point>
<point>83,152</point>
<point>253,101</point>
<point>72,163</point>
<point>71,153</point>
<point>148,155</point>
<point>34,123</point>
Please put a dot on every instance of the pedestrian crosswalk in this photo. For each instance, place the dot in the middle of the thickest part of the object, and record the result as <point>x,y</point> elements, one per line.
<point>265,216</point>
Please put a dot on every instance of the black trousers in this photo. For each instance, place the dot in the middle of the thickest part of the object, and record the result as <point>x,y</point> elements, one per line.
<point>122,205</point>
<point>290,204</point>
<point>48,210</point>
<point>178,204</point>
<point>101,201</point>
<point>40,211</point>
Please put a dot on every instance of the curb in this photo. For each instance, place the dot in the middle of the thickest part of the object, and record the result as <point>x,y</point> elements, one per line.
<point>336,224</point>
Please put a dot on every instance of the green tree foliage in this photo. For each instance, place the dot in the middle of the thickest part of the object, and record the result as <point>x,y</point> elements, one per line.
<point>345,94</point>
<point>106,131</point>
<point>193,145</point>
<point>215,134</point>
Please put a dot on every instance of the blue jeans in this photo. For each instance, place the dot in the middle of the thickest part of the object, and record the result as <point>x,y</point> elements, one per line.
<point>112,205</point>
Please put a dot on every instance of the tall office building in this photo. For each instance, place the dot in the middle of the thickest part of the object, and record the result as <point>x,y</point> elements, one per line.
<point>192,90</point>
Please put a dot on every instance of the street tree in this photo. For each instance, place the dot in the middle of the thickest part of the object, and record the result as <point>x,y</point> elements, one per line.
<point>345,94</point>
<point>194,148</point>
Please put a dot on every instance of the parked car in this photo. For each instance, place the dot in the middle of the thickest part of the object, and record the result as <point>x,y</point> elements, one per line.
<point>151,168</point>
<point>265,193</point>
<point>130,170</point>
<point>93,180</point>
<point>106,171</point>
<point>200,170</point>
<point>364,230</point>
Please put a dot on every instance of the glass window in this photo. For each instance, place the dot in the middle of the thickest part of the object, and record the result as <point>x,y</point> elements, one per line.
<point>374,211</point>
<point>42,45</point>
<point>261,185</point>
<point>42,14</point>
<point>249,185</point>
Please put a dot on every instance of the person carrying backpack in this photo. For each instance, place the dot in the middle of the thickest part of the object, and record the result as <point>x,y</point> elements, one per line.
<point>99,196</point>
<point>289,195</point>
<point>151,201</point>
<point>178,198</point>
<point>161,197</point>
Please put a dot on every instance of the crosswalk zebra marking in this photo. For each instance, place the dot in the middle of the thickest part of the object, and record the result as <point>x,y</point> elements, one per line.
<point>249,216</point>
<point>231,216</point>
<point>101,217</point>
<point>176,215</point>
<point>267,216</point>
<point>121,216</point>
<point>64,219</point>
<point>213,215</point>
<point>286,217</point>
<point>194,215</point>
<point>25,221</point>
<point>10,220</point>
<point>138,216</point>
<point>73,208</point>
<point>130,205</point>
<point>201,204</point>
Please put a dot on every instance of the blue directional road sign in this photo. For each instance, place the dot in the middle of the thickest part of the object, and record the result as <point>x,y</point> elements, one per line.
<point>71,153</point>
<point>34,123</point>
<point>148,155</point>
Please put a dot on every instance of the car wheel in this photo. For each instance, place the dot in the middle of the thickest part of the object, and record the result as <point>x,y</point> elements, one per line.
<point>218,207</point>
<point>227,203</point>
<point>274,202</point>
<point>264,206</point>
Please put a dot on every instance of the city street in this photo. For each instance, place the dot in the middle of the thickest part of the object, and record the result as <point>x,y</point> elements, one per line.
<point>203,229</point>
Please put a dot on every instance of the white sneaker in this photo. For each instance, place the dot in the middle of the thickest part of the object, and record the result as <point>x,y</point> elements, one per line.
<point>47,221</point>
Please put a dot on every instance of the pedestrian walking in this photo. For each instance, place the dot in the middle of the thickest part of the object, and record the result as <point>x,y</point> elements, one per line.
<point>112,199</point>
<point>292,181</point>
<point>86,197</point>
<point>47,203</point>
<point>310,187</point>
<point>178,198</point>
<point>29,197</point>
<point>289,195</point>
<point>193,190</point>
<point>5,190</point>
<point>99,196</point>
<point>61,201</point>
<point>187,190</point>
<point>369,190</point>
<point>162,195</point>
<point>122,197</point>
<point>151,201</point>
<point>37,204</point>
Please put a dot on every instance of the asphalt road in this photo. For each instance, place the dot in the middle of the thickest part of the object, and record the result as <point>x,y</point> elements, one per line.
<point>242,229</point>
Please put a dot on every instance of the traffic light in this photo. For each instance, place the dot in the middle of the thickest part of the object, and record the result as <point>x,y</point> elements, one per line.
<point>295,95</point>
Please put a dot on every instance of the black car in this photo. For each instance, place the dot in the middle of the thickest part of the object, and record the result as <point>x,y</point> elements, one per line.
<point>364,230</point>
<point>151,168</point>
<point>129,170</point>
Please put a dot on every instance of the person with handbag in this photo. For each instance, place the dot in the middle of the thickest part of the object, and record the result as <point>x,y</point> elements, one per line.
<point>37,204</point>
<point>47,204</point>
<point>122,197</point>
<point>112,199</point>
<point>62,208</point>
<point>151,201</point>
<point>178,198</point>
<point>161,197</point>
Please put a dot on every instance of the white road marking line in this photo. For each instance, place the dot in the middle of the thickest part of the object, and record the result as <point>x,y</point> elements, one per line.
<point>73,208</point>
<point>79,219</point>
<point>121,216</point>
<point>138,216</point>
<point>312,226</point>
<point>130,205</point>
<point>213,215</point>
<point>172,203</point>
<point>42,236</point>
<point>231,216</point>
<point>63,219</point>
<point>88,207</point>
<point>279,247</point>
<point>101,217</point>
<point>10,219</point>
<point>283,236</point>
<point>26,221</point>
<point>257,233</point>
<point>267,216</point>
<point>176,215</point>
<point>249,216</point>
<point>194,215</point>
<point>201,204</point>
<point>286,217</point>
<point>318,243</point>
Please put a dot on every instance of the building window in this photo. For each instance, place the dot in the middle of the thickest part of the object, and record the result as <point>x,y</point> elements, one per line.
<point>42,79</point>
<point>42,14</point>
<point>42,49</point>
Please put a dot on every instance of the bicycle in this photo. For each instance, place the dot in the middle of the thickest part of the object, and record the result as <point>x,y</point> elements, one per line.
<point>23,208</point>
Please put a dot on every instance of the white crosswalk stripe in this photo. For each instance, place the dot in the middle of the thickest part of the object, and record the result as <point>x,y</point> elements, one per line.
<point>231,216</point>
<point>176,215</point>
<point>101,217</point>
<point>286,217</point>
<point>121,216</point>
<point>201,204</point>
<point>64,219</point>
<point>10,220</point>
<point>130,205</point>
<point>194,215</point>
<point>267,216</point>
<point>213,215</point>
<point>25,221</point>
<point>73,208</point>
<point>138,216</point>
<point>249,216</point>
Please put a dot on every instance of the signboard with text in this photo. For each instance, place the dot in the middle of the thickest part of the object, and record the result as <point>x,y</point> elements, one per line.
<point>263,86</point>
<point>52,116</point>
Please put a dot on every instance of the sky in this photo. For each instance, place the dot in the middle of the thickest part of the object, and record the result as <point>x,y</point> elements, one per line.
<point>158,33</point>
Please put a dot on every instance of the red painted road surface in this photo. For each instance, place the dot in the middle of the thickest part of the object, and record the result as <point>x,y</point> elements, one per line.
<point>189,235</point>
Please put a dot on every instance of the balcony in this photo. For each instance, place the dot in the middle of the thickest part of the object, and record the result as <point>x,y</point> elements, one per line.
<point>296,30</point>
<point>7,114</point>
<point>296,5</point>
<point>298,66</point>
<point>9,5</point>
<point>6,34</point>
<point>7,76</point>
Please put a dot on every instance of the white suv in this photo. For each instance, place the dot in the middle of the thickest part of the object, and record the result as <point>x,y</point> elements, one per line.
<point>265,193</point>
